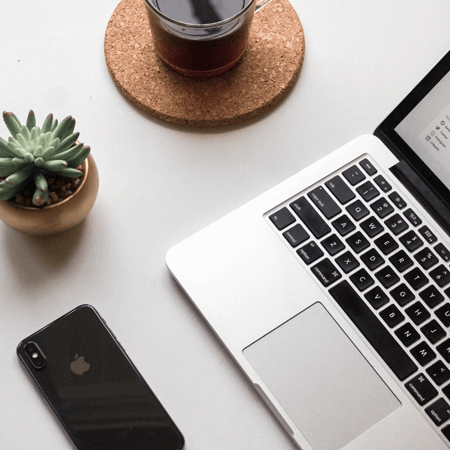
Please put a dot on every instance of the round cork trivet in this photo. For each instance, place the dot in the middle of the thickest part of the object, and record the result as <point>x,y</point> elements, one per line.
<point>265,74</point>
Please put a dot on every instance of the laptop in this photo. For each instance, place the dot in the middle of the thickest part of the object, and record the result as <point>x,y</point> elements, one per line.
<point>332,290</point>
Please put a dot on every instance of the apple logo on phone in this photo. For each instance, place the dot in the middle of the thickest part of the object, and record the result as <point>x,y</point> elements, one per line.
<point>79,365</point>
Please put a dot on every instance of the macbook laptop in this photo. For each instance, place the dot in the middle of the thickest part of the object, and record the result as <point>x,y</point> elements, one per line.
<point>332,290</point>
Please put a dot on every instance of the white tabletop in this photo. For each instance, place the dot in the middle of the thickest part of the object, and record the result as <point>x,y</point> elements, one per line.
<point>160,183</point>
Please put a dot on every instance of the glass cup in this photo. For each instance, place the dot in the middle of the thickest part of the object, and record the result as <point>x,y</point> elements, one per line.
<point>205,49</point>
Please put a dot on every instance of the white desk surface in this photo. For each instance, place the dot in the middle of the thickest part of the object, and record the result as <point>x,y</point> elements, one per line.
<point>160,183</point>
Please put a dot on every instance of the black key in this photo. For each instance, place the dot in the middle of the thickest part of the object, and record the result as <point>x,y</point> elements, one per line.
<point>354,175</point>
<point>333,245</point>
<point>423,353</point>
<point>386,243</point>
<point>392,316</point>
<point>361,279</point>
<point>340,190</point>
<point>396,224</point>
<point>357,242</point>
<point>416,278</point>
<point>413,218</point>
<point>382,207</point>
<point>357,210</point>
<point>368,191</point>
<point>373,330</point>
<point>397,200</point>
<point>310,217</point>
<point>443,314</point>
<point>402,294</point>
<point>431,296</point>
<point>282,218</point>
<point>376,297</point>
<point>372,259</point>
<point>407,334</point>
<point>439,411</point>
<point>427,234</point>
<point>382,183</point>
<point>326,272</point>
<point>418,313</point>
<point>296,235</point>
<point>446,432</point>
<point>411,241</point>
<point>401,261</point>
<point>371,227</point>
<point>310,252</point>
<point>433,331</point>
<point>444,350</point>
<point>439,372</point>
<point>343,225</point>
<point>387,277</point>
<point>426,258</point>
<point>421,389</point>
<point>441,275</point>
<point>347,262</point>
<point>442,251</point>
<point>368,167</point>
<point>324,203</point>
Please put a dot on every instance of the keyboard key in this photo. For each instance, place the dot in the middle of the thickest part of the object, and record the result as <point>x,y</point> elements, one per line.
<point>357,242</point>
<point>441,275</point>
<point>362,280</point>
<point>326,272</point>
<point>333,245</point>
<point>411,241</point>
<point>401,261</point>
<point>402,294</point>
<point>416,278</point>
<point>347,262</point>
<point>392,316</point>
<point>426,258</point>
<point>423,353</point>
<point>397,200</point>
<point>373,330</point>
<point>368,167</point>
<point>431,296</point>
<point>376,297</point>
<point>340,190</point>
<point>310,252</point>
<point>396,224</point>
<point>433,331</point>
<point>407,334</point>
<point>421,389</point>
<point>442,251</point>
<point>412,217</point>
<point>446,432</point>
<point>418,313</point>
<point>371,227</point>
<point>357,210</point>
<point>444,350</point>
<point>443,314</point>
<point>354,175</point>
<point>368,191</point>
<point>372,259</point>
<point>427,234</point>
<point>282,218</point>
<point>382,208</point>
<point>439,372</point>
<point>324,203</point>
<point>343,225</point>
<point>310,217</point>
<point>296,235</point>
<point>386,243</point>
<point>439,411</point>
<point>387,277</point>
<point>382,183</point>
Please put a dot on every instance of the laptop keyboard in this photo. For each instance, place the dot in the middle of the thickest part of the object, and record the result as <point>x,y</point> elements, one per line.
<point>386,269</point>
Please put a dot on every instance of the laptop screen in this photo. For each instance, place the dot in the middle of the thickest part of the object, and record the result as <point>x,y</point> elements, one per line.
<point>418,130</point>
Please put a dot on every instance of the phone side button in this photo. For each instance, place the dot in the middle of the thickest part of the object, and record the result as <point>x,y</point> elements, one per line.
<point>273,409</point>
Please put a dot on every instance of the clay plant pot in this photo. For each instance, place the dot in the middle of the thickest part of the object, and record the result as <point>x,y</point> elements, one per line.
<point>60,216</point>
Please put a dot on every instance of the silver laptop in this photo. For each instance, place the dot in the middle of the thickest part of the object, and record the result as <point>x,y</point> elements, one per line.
<point>332,290</point>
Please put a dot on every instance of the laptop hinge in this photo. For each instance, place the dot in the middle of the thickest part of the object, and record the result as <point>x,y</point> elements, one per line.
<point>427,197</point>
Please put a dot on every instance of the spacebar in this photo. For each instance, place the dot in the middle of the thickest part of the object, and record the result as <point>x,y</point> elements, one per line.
<point>373,330</point>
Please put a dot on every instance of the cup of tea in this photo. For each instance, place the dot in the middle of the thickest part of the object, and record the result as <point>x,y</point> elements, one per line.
<point>201,38</point>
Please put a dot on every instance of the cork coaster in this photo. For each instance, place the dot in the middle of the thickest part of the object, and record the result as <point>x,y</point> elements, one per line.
<point>265,74</point>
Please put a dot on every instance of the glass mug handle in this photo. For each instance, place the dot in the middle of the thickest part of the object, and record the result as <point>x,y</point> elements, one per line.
<point>260,4</point>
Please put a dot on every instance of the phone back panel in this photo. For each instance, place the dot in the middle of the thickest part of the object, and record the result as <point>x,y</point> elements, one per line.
<point>94,388</point>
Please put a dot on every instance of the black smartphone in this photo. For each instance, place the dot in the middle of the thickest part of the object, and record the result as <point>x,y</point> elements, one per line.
<point>94,388</point>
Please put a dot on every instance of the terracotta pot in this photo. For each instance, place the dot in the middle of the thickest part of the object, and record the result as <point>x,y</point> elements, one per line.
<point>60,216</point>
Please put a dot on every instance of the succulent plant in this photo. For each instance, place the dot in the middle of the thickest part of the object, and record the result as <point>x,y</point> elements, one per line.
<point>32,152</point>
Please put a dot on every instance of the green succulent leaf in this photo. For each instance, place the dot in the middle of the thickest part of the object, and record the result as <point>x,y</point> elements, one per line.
<point>47,125</point>
<point>31,120</point>
<point>80,157</point>
<point>69,172</point>
<point>5,151</point>
<point>68,154</point>
<point>41,193</point>
<point>54,166</point>
<point>67,142</point>
<point>12,123</point>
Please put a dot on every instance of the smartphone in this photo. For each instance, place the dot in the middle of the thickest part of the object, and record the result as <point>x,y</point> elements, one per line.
<point>94,388</point>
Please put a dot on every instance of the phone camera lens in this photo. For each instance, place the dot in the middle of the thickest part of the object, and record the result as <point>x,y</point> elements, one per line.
<point>35,355</point>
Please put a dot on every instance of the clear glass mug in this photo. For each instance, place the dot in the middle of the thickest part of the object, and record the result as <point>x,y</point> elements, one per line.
<point>202,50</point>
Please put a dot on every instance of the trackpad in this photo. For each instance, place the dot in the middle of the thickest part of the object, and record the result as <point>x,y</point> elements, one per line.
<point>325,385</point>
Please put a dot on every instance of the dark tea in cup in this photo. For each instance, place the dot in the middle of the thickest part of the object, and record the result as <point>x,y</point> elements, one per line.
<point>201,38</point>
